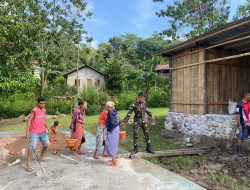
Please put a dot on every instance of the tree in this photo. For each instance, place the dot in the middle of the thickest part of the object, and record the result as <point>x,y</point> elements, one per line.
<point>17,47</point>
<point>136,59</point>
<point>114,75</point>
<point>243,11</point>
<point>39,30</point>
<point>61,20</point>
<point>198,16</point>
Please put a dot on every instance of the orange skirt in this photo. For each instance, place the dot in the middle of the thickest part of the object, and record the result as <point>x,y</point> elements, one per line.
<point>78,134</point>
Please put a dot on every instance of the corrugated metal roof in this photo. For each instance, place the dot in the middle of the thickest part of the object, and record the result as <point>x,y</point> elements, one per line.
<point>212,37</point>
<point>162,67</point>
<point>66,74</point>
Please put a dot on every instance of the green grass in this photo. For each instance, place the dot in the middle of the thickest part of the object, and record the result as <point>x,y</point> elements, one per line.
<point>177,163</point>
<point>231,183</point>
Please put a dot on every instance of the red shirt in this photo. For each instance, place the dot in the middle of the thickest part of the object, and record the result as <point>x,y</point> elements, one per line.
<point>103,118</point>
<point>246,109</point>
<point>37,124</point>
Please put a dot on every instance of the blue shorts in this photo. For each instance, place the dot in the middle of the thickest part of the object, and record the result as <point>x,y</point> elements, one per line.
<point>40,136</point>
<point>241,134</point>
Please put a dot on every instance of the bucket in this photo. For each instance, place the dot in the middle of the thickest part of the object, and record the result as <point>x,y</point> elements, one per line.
<point>123,135</point>
<point>71,143</point>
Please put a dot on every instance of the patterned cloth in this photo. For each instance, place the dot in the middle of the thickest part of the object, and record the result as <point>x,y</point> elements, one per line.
<point>140,110</point>
<point>113,128</point>
<point>76,126</point>
<point>101,136</point>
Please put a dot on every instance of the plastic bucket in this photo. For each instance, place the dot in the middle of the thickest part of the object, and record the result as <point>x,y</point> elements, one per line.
<point>123,135</point>
<point>71,143</point>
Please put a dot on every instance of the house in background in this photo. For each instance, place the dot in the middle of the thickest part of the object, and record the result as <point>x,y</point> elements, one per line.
<point>163,71</point>
<point>88,76</point>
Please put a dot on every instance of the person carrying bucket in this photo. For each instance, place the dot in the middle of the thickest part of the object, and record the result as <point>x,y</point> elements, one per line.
<point>77,127</point>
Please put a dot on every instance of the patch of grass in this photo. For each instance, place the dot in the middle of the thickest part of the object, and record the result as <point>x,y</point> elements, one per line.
<point>232,183</point>
<point>182,162</point>
<point>90,121</point>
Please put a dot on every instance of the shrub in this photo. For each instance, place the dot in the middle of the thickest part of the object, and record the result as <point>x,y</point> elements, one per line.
<point>124,100</point>
<point>158,98</point>
<point>15,107</point>
<point>96,99</point>
<point>61,106</point>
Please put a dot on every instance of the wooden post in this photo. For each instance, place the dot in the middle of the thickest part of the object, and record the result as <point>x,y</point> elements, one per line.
<point>206,84</point>
<point>170,84</point>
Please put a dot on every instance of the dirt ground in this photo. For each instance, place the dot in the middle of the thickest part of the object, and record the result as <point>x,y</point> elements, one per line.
<point>217,163</point>
<point>11,147</point>
<point>88,174</point>
<point>12,121</point>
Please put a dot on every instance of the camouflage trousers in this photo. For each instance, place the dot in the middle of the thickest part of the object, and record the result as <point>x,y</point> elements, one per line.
<point>145,130</point>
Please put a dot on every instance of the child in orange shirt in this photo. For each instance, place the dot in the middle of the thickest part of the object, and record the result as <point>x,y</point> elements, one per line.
<point>53,136</point>
<point>101,133</point>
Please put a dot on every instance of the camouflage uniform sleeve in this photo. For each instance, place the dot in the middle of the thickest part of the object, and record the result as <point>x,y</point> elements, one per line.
<point>131,108</point>
<point>148,112</point>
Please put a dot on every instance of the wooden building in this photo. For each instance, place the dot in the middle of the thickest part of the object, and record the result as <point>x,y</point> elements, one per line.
<point>87,75</point>
<point>208,70</point>
<point>162,71</point>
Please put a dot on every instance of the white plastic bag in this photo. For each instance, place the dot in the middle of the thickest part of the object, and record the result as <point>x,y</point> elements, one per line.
<point>232,107</point>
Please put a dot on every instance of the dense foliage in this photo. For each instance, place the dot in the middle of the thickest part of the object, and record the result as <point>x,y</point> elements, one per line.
<point>39,43</point>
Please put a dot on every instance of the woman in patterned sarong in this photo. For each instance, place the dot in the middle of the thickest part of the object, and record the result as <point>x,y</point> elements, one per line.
<point>77,127</point>
<point>113,129</point>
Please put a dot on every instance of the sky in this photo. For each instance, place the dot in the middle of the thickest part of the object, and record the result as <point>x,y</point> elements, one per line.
<point>116,17</point>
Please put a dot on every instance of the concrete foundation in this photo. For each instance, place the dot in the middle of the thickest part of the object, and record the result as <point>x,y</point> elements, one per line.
<point>211,125</point>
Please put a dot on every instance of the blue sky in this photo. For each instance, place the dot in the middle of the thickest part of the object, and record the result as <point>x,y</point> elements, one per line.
<point>115,17</point>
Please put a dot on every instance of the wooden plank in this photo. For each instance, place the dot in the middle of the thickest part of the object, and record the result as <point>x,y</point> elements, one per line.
<point>179,152</point>
<point>212,103</point>
<point>213,60</point>
<point>228,42</point>
<point>213,46</point>
<point>187,103</point>
<point>170,84</point>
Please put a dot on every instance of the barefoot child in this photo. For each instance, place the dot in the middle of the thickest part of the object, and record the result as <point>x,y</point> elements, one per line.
<point>53,136</point>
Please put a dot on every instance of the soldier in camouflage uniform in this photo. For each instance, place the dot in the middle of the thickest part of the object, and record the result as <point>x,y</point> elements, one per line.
<point>140,109</point>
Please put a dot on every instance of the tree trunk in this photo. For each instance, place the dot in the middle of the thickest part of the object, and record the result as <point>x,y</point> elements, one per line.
<point>43,82</point>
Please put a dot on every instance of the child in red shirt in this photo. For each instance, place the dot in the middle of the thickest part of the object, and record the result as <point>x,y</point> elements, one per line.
<point>53,136</point>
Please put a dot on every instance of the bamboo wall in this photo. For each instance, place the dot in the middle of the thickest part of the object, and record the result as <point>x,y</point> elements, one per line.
<point>207,88</point>
<point>188,83</point>
<point>226,80</point>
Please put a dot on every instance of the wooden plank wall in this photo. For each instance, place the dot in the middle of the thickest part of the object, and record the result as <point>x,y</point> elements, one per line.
<point>188,83</point>
<point>226,80</point>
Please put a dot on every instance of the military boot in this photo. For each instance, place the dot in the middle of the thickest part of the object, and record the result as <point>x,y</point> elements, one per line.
<point>135,150</point>
<point>149,149</point>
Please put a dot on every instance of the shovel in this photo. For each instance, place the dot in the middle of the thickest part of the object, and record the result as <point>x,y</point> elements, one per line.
<point>43,170</point>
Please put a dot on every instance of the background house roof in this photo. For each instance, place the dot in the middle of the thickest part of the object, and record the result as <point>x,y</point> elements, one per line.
<point>66,74</point>
<point>162,67</point>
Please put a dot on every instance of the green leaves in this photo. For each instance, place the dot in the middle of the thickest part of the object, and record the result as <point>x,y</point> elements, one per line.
<point>40,31</point>
<point>243,11</point>
<point>196,16</point>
